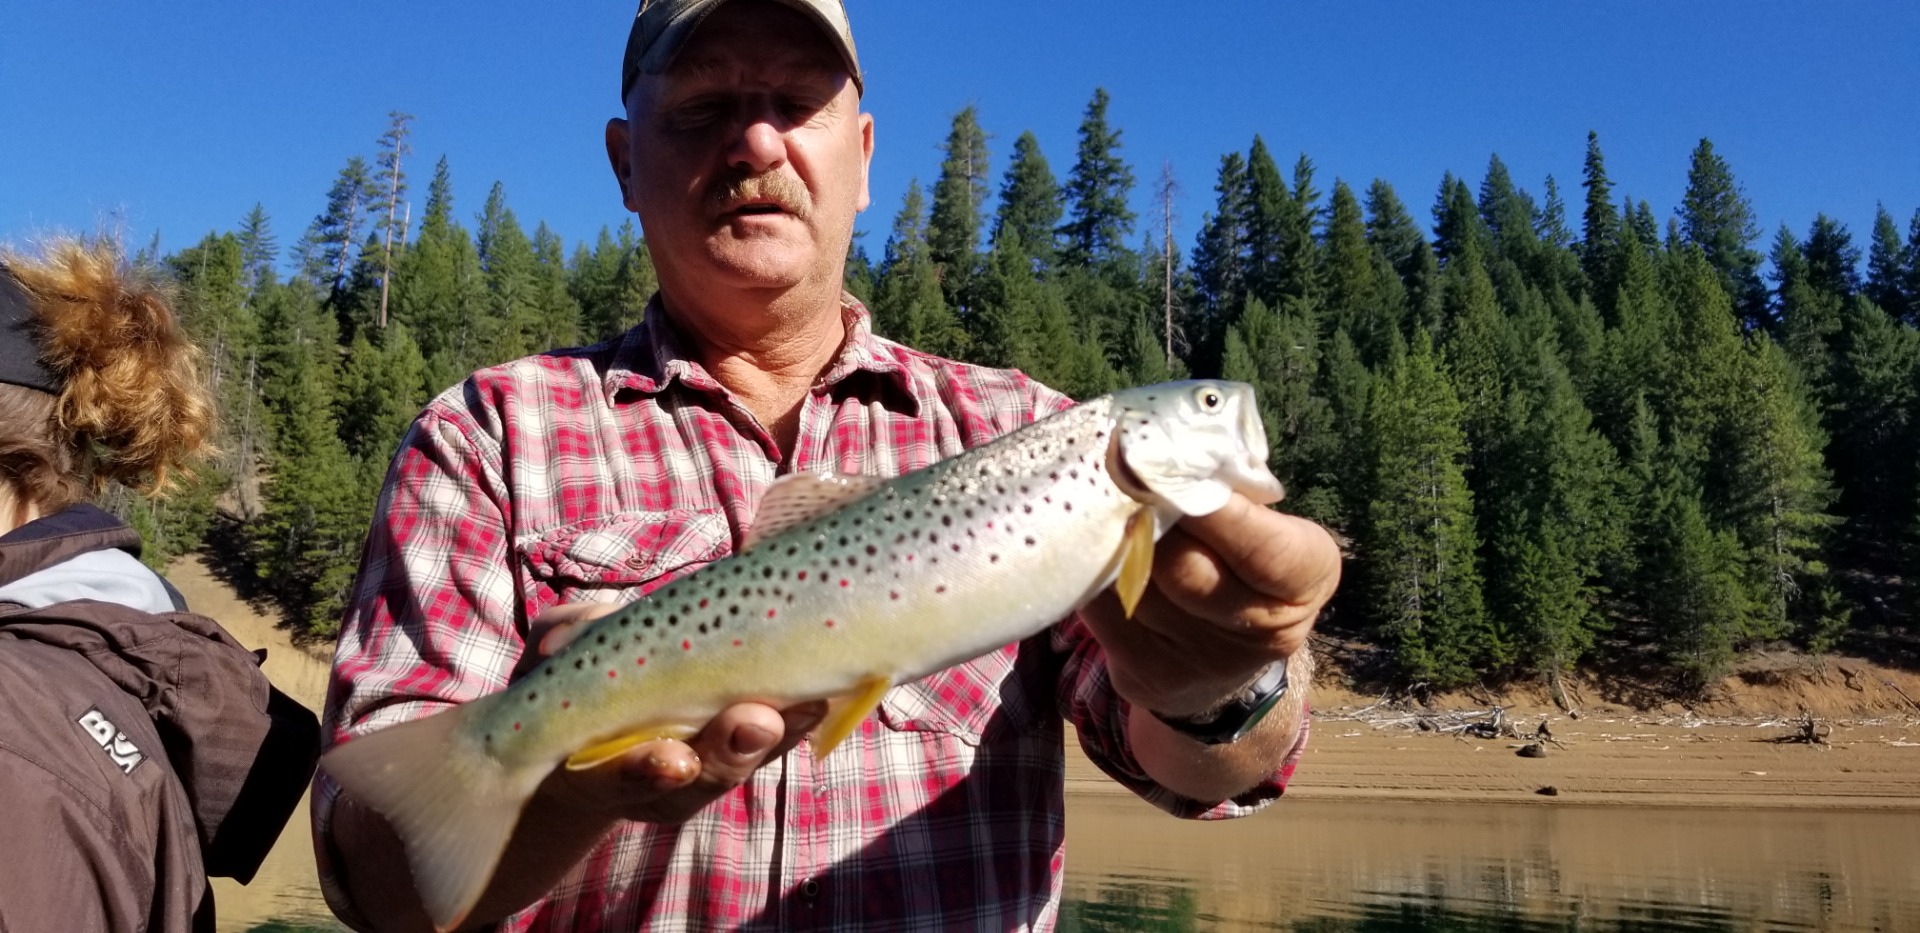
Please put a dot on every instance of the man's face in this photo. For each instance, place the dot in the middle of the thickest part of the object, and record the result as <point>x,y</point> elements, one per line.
<point>747,160</point>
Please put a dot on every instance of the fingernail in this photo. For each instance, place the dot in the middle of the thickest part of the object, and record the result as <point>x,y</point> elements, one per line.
<point>751,740</point>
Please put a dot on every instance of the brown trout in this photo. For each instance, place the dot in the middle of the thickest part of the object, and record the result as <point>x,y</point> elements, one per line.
<point>844,587</point>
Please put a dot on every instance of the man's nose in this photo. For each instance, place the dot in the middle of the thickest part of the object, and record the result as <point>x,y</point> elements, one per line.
<point>759,145</point>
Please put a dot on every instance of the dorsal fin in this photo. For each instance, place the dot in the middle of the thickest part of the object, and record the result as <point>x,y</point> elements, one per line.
<point>801,497</point>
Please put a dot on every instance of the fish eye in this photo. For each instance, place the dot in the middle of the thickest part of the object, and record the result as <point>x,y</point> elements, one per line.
<point>1209,399</point>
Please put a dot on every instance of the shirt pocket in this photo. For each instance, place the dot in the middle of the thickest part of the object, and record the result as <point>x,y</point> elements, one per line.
<point>625,555</point>
<point>969,701</point>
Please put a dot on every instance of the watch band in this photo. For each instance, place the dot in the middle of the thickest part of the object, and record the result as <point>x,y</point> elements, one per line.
<point>1239,715</point>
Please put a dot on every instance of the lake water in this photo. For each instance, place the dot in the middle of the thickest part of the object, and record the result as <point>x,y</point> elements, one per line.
<point>1312,866</point>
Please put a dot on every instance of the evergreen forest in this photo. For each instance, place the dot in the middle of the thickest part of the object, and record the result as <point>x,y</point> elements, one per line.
<point>1554,430</point>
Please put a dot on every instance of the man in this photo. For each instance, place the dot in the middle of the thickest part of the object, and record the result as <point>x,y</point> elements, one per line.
<point>542,491</point>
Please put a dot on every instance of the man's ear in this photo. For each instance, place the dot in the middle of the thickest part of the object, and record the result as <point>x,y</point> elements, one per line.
<point>619,157</point>
<point>866,159</point>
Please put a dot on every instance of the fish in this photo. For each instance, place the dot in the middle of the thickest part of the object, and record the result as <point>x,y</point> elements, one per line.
<point>843,587</point>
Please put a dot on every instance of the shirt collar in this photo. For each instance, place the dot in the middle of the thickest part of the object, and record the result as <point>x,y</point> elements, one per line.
<point>652,356</point>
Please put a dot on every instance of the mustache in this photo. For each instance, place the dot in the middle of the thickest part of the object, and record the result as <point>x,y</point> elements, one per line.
<point>785,191</point>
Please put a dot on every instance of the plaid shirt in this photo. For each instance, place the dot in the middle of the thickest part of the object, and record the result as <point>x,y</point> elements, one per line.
<point>602,474</point>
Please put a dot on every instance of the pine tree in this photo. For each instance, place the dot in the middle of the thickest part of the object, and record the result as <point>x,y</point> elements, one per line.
<point>328,247</point>
<point>1699,601</point>
<point>382,387</point>
<point>1910,275</point>
<point>1270,221</point>
<point>1007,327</point>
<point>1886,262</point>
<point>1508,215</point>
<point>858,279</point>
<point>1715,216</point>
<point>506,330</point>
<point>1394,234</point>
<point>1029,202</point>
<point>1833,262</point>
<point>959,196</point>
<point>438,285</point>
<point>390,186</point>
<point>1809,315</point>
<point>556,318</point>
<point>1359,300</point>
<point>1457,226</point>
<point>1779,487</point>
<point>1220,262</point>
<point>1875,451</point>
<point>908,305</point>
<point>1564,521</point>
<point>1600,229</point>
<point>259,250</point>
<point>1422,574</point>
<point>1098,220</point>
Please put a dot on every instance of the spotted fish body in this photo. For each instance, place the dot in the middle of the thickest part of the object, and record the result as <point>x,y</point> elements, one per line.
<point>846,586</point>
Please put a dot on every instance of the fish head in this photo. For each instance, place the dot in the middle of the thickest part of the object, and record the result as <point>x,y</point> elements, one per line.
<point>1191,445</point>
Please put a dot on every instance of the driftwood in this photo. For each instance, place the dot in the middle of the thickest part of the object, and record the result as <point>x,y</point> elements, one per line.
<point>1806,732</point>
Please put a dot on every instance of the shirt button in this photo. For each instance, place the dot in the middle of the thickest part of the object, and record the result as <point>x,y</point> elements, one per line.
<point>810,888</point>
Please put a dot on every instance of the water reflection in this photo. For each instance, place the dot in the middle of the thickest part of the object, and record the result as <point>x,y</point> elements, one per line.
<point>1337,866</point>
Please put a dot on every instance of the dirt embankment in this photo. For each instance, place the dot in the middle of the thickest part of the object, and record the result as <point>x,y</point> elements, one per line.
<point>1743,747</point>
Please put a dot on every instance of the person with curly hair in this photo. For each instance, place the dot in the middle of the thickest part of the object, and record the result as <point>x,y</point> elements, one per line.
<point>142,749</point>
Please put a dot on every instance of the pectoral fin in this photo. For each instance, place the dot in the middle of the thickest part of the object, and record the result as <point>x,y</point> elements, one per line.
<point>600,753</point>
<point>1136,561</point>
<point>844,714</point>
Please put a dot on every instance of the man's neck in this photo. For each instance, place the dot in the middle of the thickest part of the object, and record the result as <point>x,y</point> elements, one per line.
<point>767,353</point>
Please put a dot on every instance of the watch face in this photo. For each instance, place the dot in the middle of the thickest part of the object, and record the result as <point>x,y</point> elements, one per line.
<point>1233,721</point>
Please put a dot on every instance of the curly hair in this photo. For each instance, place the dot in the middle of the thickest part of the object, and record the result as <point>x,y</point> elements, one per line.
<point>132,406</point>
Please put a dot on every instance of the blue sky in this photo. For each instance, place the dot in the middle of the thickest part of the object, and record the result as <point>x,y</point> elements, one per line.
<point>176,117</point>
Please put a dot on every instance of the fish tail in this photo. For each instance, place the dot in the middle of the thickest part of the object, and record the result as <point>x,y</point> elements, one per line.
<point>453,805</point>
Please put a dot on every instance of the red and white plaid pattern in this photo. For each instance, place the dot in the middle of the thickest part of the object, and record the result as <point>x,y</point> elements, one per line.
<point>604,473</point>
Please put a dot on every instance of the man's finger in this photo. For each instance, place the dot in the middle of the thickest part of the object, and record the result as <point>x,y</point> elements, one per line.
<point>1281,555</point>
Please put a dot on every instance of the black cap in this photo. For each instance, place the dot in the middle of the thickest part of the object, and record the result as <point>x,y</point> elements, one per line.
<point>19,344</point>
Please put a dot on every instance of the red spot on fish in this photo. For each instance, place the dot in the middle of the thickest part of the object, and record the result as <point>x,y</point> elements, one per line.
<point>846,583</point>
<point>829,623</point>
<point>640,662</point>
<point>893,595</point>
<point>803,575</point>
<point>736,643</point>
<point>770,613</point>
<point>942,588</point>
<point>909,558</point>
<point>566,704</point>
<point>613,673</point>
<point>703,604</point>
<point>989,525</point>
<point>686,646</point>
<point>516,727</point>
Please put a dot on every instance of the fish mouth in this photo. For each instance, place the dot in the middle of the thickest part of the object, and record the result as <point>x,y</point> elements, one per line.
<point>1123,474</point>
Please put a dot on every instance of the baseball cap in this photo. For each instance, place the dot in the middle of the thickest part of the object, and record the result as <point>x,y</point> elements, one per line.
<point>663,26</point>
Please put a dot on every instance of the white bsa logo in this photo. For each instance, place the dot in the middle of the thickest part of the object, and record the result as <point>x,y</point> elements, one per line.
<point>124,753</point>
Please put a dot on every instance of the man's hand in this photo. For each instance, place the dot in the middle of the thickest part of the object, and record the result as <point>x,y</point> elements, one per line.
<point>1231,593</point>
<point>659,782</point>
<point>668,781</point>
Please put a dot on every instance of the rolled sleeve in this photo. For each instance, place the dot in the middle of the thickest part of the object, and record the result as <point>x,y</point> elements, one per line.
<point>1099,715</point>
<point>434,617</point>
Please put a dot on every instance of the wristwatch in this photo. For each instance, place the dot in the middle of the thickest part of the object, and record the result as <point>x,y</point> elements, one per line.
<point>1232,721</point>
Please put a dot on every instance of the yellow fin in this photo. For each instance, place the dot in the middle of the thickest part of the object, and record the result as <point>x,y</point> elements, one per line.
<point>1136,560</point>
<point>600,753</point>
<point>844,714</point>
